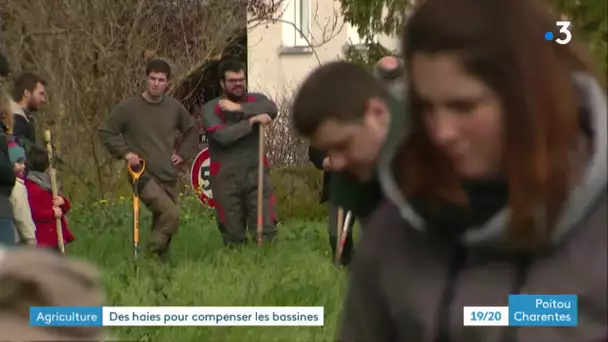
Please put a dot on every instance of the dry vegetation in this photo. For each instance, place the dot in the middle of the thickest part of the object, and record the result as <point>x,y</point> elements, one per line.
<point>93,53</point>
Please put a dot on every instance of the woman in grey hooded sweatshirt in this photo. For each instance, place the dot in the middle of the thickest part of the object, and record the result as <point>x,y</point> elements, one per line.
<point>500,187</point>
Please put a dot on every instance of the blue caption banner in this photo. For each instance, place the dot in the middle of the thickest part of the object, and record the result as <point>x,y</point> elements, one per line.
<point>529,310</point>
<point>72,316</point>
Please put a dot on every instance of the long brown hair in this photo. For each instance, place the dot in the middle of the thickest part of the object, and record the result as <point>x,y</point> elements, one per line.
<point>6,112</point>
<point>502,44</point>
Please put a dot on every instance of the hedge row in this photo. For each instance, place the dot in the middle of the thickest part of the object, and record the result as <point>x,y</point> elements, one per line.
<point>297,191</point>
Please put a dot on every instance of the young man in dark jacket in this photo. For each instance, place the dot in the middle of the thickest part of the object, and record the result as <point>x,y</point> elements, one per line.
<point>144,127</point>
<point>29,94</point>
<point>349,142</point>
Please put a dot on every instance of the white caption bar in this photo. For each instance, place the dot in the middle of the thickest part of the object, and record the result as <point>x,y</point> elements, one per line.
<point>213,316</point>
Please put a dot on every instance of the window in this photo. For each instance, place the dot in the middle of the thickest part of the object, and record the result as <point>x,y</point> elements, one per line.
<point>296,25</point>
<point>352,36</point>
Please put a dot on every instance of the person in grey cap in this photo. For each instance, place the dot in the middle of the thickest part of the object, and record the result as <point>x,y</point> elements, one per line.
<point>390,70</point>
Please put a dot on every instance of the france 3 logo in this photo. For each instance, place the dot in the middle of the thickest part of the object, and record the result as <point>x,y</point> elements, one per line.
<point>564,31</point>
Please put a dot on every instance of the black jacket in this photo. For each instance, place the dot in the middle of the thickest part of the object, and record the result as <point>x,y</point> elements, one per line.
<point>316,157</point>
<point>7,178</point>
<point>24,130</point>
<point>4,68</point>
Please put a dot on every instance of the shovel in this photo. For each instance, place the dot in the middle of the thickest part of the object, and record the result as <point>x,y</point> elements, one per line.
<point>135,175</point>
<point>260,220</point>
<point>343,235</point>
<point>339,226</point>
<point>53,175</point>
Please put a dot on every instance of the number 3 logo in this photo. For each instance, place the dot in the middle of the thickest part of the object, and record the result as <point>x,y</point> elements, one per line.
<point>564,29</point>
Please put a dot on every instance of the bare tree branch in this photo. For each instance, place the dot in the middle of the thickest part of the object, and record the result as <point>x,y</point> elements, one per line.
<point>331,27</point>
<point>92,55</point>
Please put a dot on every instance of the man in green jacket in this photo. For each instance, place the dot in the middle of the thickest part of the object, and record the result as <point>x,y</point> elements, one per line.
<point>351,117</point>
<point>144,126</point>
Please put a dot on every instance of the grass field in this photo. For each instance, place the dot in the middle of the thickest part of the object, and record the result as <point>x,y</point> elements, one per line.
<point>295,271</point>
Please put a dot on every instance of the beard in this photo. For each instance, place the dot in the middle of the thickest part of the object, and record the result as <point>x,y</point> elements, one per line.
<point>230,95</point>
<point>31,106</point>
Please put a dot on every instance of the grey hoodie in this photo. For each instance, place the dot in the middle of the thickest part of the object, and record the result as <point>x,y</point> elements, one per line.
<point>409,285</point>
<point>43,180</point>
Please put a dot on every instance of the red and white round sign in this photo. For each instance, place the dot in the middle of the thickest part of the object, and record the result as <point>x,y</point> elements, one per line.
<point>200,178</point>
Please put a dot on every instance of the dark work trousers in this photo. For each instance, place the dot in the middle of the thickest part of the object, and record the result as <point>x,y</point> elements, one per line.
<point>161,199</point>
<point>347,253</point>
<point>235,191</point>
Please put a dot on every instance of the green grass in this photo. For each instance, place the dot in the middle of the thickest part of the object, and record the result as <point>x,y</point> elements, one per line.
<point>294,271</point>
